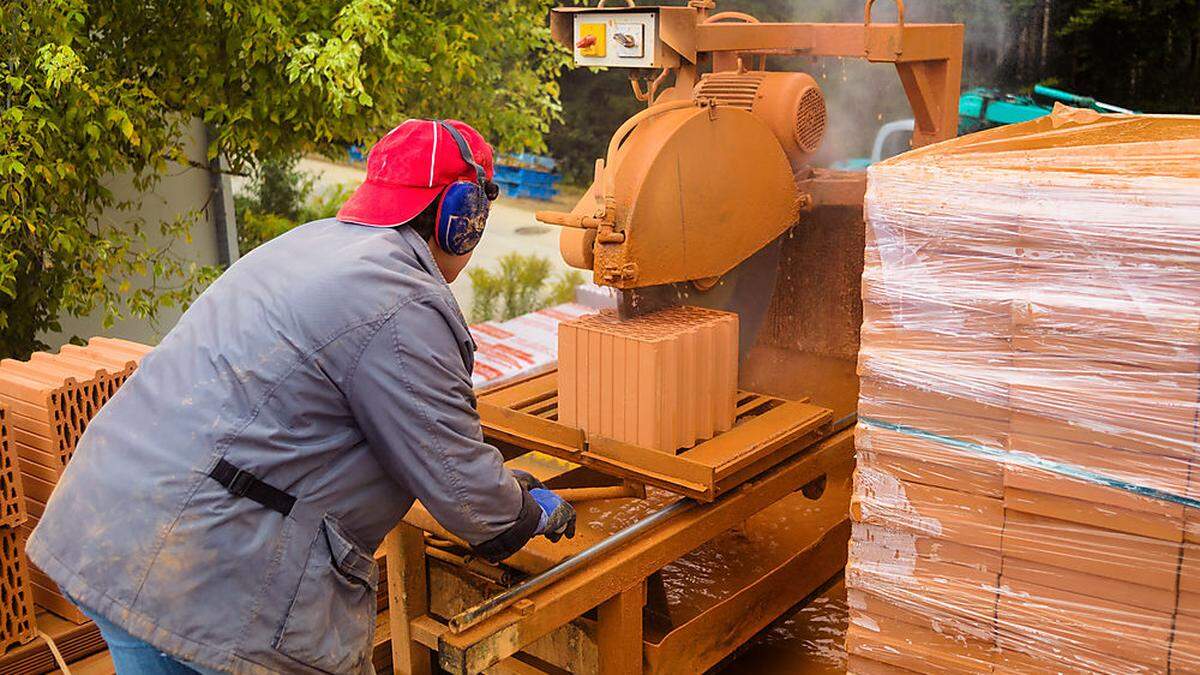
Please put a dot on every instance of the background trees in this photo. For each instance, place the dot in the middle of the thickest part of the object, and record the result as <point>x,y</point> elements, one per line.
<point>1139,54</point>
<point>97,88</point>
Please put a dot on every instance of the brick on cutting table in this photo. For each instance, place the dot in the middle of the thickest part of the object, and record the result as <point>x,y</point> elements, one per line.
<point>664,380</point>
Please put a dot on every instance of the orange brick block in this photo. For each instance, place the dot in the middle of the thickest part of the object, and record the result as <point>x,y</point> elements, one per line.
<point>664,380</point>
<point>1110,554</point>
<point>900,584</point>
<point>869,542</point>
<point>17,625</point>
<point>1054,496</point>
<point>1090,585</point>
<point>860,665</point>
<point>917,460</point>
<point>879,636</point>
<point>982,418</point>
<point>1071,632</point>
<point>882,499</point>
<point>48,402</point>
<point>12,497</point>
<point>1185,644</point>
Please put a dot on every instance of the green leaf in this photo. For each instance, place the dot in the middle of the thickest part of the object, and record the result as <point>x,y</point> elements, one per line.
<point>99,95</point>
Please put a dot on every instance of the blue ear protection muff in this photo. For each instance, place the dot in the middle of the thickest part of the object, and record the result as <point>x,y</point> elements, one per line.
<point>463,209</point>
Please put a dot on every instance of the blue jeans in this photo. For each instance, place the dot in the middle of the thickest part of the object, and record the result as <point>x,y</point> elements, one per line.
<point>132,656</point>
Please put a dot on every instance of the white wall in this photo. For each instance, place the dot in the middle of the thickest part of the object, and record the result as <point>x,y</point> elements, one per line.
<point>184,188</point>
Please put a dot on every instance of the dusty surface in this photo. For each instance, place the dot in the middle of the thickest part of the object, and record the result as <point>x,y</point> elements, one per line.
<point>819,275</point>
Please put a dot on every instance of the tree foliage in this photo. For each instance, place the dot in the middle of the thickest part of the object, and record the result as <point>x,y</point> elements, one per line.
<point>520,284</point>
<point>278,198</point>
<point>103,88</point>
<point>1141,54</point>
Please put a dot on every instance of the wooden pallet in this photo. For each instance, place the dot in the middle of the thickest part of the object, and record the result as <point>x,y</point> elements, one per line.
<point>767,431</point>
<point>76,642</point>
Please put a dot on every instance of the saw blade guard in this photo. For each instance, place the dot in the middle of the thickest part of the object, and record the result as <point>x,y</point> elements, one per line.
<point>687,193</point>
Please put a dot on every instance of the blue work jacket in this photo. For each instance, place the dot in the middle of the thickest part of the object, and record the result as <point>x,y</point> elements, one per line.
<point>330,367</point>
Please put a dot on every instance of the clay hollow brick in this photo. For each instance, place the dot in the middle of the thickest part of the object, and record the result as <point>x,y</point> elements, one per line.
<point>47,403</point>
<point>664,380</point>
<point>17,625</point>
<point>12,497</point>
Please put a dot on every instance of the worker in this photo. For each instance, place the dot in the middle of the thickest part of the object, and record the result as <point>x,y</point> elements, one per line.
<point>221,512</point>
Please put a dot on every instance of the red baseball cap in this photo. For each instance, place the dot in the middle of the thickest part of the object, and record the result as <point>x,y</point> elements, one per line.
<point>409,167</point>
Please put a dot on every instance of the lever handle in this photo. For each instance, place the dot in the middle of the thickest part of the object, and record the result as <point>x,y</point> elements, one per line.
<point>562,219</point>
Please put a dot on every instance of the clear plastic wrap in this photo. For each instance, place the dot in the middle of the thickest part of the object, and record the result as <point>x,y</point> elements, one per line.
<point>1027,493</point>
<point>527,345</point>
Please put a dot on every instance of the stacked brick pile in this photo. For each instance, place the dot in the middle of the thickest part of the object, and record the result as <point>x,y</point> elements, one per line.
<point>1028,430</point>
<point>49,400</point>
<point>664,380</point>
<point>17,624</point>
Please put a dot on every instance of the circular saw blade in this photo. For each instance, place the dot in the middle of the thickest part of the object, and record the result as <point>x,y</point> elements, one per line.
<point>745,290</point>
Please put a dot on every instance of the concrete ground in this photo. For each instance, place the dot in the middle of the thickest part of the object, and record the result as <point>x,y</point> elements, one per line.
<point>511,226</point>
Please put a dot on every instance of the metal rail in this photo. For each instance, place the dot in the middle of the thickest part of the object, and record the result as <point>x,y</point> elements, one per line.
<point>843,422</point>
<point>495,604</point>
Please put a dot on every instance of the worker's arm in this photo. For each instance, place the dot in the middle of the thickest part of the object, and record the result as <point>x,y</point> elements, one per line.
<point>411,395</point>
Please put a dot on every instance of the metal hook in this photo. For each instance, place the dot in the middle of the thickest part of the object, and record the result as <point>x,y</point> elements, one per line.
<point>899,19</point>
<point>867,12</point>
<point>652,90</point>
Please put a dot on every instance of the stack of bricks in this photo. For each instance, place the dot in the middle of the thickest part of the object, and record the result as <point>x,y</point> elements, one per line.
<point>664,380</point>
<point>17,625</point>
<point>1027,447</point>
<point>49,400</point>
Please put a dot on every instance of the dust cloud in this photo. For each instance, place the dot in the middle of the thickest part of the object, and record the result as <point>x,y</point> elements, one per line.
<point>861,96</point>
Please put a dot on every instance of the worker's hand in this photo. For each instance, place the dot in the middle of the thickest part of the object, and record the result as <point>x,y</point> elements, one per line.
<point>526,480</point>
<point>558,517</point>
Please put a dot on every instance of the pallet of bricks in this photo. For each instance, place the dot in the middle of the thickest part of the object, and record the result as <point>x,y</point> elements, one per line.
<point>47,402</point>
<point>1027,492</point>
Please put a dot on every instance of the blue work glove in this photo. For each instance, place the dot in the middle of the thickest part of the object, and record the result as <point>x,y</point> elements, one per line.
<point>558,517</point>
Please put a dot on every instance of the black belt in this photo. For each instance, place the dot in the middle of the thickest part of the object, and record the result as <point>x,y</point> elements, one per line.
<point>245,484</point>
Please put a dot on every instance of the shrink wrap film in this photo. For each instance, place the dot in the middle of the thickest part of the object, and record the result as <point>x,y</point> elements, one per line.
<point>524,346</point>
<point>1027,492</point>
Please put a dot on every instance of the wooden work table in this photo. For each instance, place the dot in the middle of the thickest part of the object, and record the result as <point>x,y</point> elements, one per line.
<point>721,571</point>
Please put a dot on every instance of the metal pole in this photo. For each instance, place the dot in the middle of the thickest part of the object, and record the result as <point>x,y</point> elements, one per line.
<point>221,206</point>
<point>1108,107</point>
<point>495,604</point>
